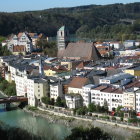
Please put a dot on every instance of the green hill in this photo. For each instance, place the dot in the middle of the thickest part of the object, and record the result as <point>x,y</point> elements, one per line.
<point>92,21</point>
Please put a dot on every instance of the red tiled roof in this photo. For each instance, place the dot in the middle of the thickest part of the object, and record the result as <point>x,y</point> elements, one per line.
<point>100,88</point>
<point>78,82</point>
<point>80,50</point>
<point>135,83</point>
<point>119,91</point>
<point>109,89</point>
<point>19,34</point>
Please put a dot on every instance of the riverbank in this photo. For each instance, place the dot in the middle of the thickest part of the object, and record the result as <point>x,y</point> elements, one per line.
<point>117,131</point>
<point>53,117</point>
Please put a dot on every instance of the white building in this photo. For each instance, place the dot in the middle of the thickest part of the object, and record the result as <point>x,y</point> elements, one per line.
<point>21,39</point>
<point>137,98</point>
<point>116,99</point>
<point>21,85</point>
<point>32,88</point>
<point>113,96</point>
<point>56,91</point>
<point>116,45</point>
<point>129,43</point>
<point>86,94</point>
<point>73,101</point>
<point>96,94</point>
<point>75,86</point>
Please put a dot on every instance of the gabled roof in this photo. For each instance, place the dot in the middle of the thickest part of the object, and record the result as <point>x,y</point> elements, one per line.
<point>81,50</point>
<point>19,34</point>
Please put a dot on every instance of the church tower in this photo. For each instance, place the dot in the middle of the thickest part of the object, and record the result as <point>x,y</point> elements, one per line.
<point>41,71</point>
<point>62,38</point>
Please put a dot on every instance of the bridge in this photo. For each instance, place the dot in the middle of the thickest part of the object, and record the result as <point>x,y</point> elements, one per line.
<point>12,99</point>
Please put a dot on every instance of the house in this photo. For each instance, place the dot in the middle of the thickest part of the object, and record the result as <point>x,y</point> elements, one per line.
<point>129,43</point>
<point>116,98</point>
<point>28,40</point>
<point>86,94</point>
<point>75,86</point>
<point>115,78</point>
<point>96,95</point>
<point>19,50</point>
<point>116,45</point>
<point>56,90</point>
<point>113,96</point>
<point>34,88</point>
<point>129,99</point>
<point>135,71</point>
<point>105,51</point>
<point>73,101</point>
<point>137,98</point>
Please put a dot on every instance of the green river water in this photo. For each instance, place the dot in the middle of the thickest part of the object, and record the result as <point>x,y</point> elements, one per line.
<point>36,125</point>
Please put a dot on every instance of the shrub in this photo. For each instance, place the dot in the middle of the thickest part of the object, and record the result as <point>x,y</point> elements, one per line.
<point>104,117</point>
<point>113,118</point>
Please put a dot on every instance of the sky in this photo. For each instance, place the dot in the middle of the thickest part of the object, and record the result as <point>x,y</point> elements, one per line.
<point>30,5</point>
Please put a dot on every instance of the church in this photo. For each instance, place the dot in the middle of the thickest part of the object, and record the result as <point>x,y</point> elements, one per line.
<point>75,51</point>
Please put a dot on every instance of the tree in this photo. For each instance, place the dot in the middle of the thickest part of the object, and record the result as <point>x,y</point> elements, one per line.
<point>105,106</point>
<point>119,111</point>
<point>98,108</point>
<point>82,110</point>
<point>59,102</point>
<point>46,100</point>
<point>52,101</point>
<point>92,107</point>
<point>79,133</point>
<point>135,136</point>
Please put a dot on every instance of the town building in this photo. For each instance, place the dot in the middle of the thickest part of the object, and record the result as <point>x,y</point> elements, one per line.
<point>76,51</point>
<point>129,99</point>
<point>34,88</point>
<point>73,101</point>
<point>86,94</point>
<point>137,98</point>
<point>115,78</point>
<point>56,90</point>
<point>76,84</point>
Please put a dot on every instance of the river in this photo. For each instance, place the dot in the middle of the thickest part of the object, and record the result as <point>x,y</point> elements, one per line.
<point>35,125</point>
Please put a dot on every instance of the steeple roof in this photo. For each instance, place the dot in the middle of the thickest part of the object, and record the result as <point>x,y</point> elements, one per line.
<point>62,28</point>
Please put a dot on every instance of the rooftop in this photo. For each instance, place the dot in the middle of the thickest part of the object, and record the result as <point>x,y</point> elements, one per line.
<point>100,87</point>
<point>78,82</point>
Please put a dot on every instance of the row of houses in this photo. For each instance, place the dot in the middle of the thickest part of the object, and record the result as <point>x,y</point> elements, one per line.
<point>23,42</point>
<point>81,92</point>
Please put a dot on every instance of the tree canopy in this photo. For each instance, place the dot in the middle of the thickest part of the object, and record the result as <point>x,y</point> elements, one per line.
<point>93,21</point>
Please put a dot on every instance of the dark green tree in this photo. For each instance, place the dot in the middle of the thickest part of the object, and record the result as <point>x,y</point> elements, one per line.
<point>92,107</point>
<point>87,134</point>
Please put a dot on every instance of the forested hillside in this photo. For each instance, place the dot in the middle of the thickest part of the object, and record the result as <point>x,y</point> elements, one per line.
<point>93,21</point>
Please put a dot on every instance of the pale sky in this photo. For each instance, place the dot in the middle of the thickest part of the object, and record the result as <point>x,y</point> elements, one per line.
<point>29,5</point>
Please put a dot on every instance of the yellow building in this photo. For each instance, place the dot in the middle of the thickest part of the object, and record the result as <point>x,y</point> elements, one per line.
<point>129,100</point>
<point>68,64</point>
<point>133,71</point>
<point>49,72</point>
<point>41,89</point>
